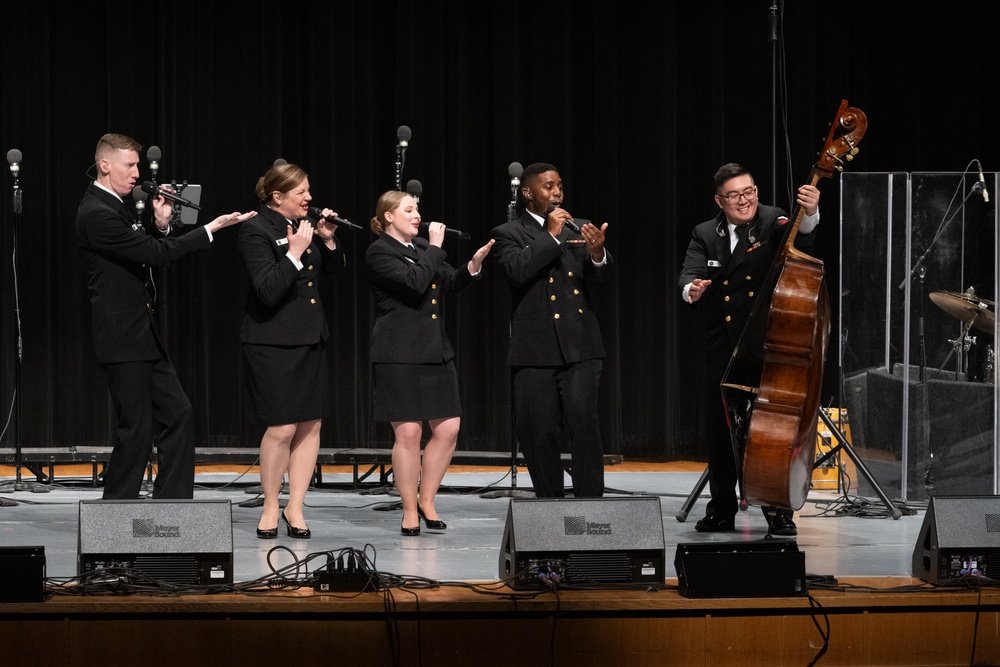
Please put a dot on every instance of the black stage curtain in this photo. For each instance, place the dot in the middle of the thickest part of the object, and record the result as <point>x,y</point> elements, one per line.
<point>636,106</point>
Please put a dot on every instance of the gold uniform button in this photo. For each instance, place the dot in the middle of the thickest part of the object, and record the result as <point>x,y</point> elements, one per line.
<point>551,280</point>
<point>434,302</point>
<point>570,274</point>
<point>434,316</point>
<point>434,286</point>
<point>552,298</point>
<point>581,311</point>
<point>310,283</point>
<point>728,318</point>
<point>576,291</point>
<point>725,282</point>
<point>727,298</point>
<point>147,306</point>
<point>312,300</point>
<point>750,294</point>
<point>310,267</point>
<point>749,278</point>
<point>309,251</point>
<point>556,316</point>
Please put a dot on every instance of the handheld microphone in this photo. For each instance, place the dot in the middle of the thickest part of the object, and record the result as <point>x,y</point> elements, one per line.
<point>982,183</point>
<point>14,158</point>
<point>413,188</point>
<point>154,156</point>
<point>153,189</point>
<point>568,222</point>
<point>448,231</point>
<point>317,214</point>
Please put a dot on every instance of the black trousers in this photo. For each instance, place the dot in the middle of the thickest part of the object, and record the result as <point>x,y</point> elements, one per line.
<point>544,398</point>
<point>143,392</point>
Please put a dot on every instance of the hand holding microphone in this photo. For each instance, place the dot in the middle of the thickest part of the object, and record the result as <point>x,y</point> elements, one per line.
<point>317,215</point>
<point>159,191</point>
<point>448,231</point>
<point>562,217</point>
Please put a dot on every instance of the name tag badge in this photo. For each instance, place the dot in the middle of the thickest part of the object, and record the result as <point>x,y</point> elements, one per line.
<point>281,242</point>
<point>714,264</point>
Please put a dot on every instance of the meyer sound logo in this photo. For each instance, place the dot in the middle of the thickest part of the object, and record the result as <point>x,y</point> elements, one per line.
<point>149,528</point>
<point>578,525</point>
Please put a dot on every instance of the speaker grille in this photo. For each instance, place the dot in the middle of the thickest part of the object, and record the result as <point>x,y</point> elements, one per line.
<point>172,568</point>
<point>605,567</point>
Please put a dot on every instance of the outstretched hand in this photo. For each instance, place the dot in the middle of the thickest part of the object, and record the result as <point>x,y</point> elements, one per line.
<point>228,220</point>
<point>594,237</point>
<point>476,263</point>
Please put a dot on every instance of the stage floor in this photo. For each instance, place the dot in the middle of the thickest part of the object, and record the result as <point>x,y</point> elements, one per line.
<point>863,541</point>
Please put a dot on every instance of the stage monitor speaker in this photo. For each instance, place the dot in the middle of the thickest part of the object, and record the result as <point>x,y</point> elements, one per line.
<point>176,541</point>
<point>582,542</point>
<point>767,569</point>
<point>23,574</point>
<point>960,537</point>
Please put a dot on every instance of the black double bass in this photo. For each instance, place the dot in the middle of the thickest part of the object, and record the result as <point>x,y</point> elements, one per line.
<point>776,370</point>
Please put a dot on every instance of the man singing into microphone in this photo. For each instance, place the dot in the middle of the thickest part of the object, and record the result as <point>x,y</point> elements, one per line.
<point>117,254</point>
<point>556,352</point>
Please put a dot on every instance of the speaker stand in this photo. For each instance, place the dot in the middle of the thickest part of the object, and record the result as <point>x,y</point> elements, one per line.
<point>842,444</point>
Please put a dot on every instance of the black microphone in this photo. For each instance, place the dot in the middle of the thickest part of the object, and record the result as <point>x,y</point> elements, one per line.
<point>317,214</point>
<point>982,182</point>
<point>14,158</point>
<point>403,134</point>
<point>413,188</point>
<point>568,222</point>
<point>154,156</point>
<point>448,231</point>
<point>156,191</point>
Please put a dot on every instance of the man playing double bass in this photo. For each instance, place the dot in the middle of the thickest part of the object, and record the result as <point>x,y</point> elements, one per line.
<point>724,269</point>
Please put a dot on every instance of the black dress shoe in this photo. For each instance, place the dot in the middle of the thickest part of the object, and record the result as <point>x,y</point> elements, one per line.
<point>301,533</point>
<point>782,524</point>
<point>432,524</point>
<point>409,532</point>
<point>268,534</point>
<point>714,523</point>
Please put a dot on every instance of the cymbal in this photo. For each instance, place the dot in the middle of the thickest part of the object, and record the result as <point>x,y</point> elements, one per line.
<point>968,308</point>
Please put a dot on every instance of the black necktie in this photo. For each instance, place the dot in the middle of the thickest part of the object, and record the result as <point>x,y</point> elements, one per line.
<point>741,244</point>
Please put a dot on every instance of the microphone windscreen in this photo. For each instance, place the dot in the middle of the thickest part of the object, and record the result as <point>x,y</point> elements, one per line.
<point>413,188</point>
<point>149,187</point>
<point>138,194</point>
<point>13,155</point>
<point>280,161</point>
<point>153,154</point>
<point>403,133</point>
<point>515,170</point>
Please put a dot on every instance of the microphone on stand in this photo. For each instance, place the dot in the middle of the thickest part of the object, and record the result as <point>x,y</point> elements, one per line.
<point>153,155</point>
<point>982,184</point>
<point>403,135</point>
<point>448,231</point>
<point>156,191</point>
<point>414,189</point>
<point>280,161</point>
<point>139,197</point>
<point>514,170</point>
<point>14,158</point>
<point>317,214</point>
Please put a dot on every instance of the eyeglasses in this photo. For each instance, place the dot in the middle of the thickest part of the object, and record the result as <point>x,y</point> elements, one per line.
<point>749,194</point>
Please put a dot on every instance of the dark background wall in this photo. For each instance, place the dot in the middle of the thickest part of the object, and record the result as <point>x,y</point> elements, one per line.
<point>637,107</point>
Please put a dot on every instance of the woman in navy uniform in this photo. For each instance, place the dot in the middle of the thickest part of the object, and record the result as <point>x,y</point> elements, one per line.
<point>283,338</point>
<point>412,358</point>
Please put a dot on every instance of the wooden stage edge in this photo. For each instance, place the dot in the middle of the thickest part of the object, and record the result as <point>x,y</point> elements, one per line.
<point>885,621</point>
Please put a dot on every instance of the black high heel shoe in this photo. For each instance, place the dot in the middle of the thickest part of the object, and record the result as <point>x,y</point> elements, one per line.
<point>267,534</point>
<point>301,533</point>
<point>432,524</point>
<point>409,532</point>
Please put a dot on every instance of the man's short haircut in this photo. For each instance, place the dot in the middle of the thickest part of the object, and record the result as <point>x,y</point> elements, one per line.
<point>112,142</point>
<point>535,169</point>
<point>728,171</point>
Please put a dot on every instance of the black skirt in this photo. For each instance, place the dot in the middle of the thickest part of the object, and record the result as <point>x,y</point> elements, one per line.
<point>284,384</point>
<point>415,392</point>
